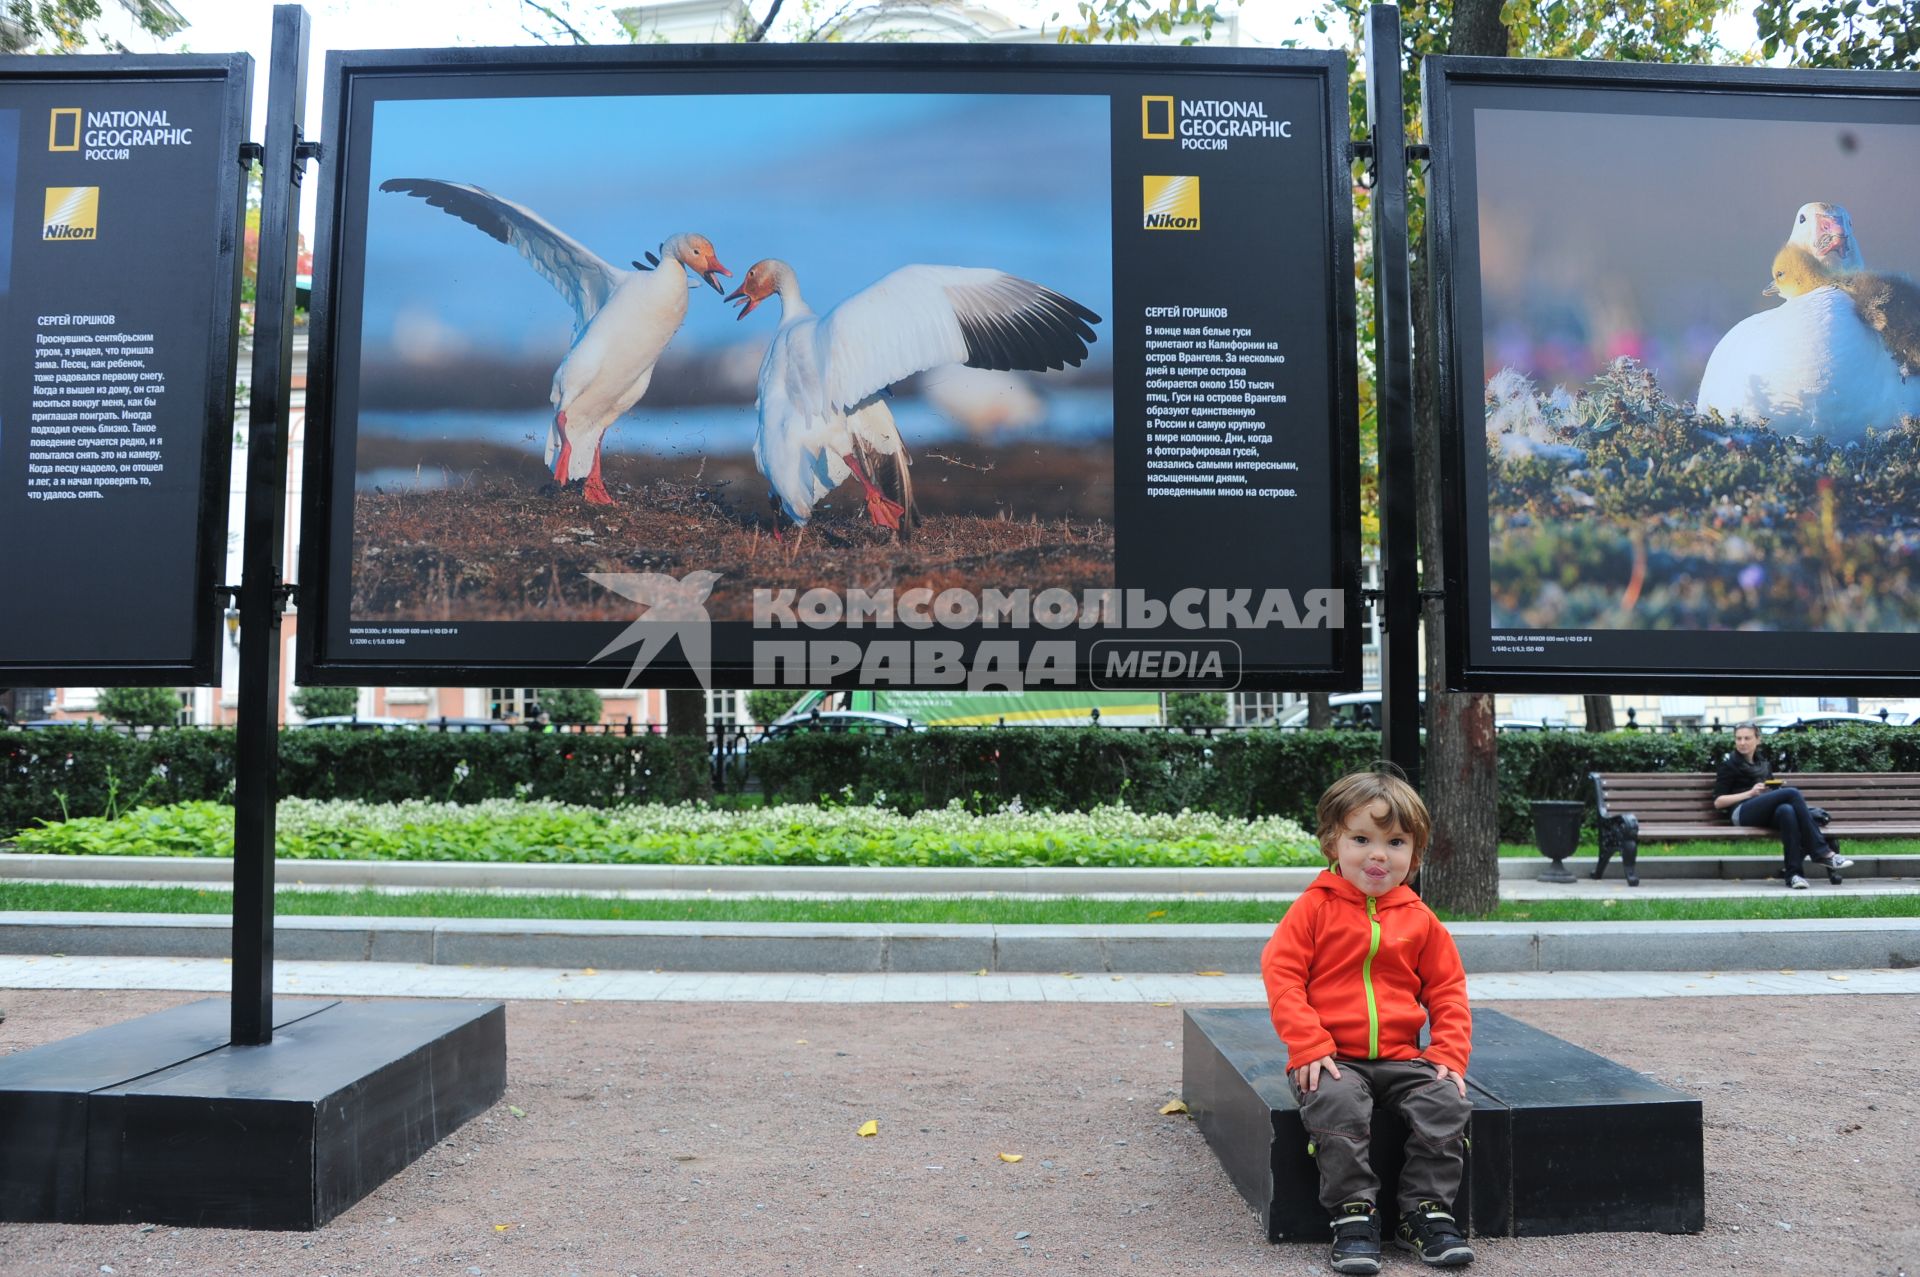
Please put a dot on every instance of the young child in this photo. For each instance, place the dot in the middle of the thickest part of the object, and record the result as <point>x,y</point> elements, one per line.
<point>1354,969</point>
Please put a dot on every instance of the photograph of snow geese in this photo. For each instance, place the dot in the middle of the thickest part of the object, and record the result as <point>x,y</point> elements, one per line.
<point>1698,340</point>
<point>540,393</point>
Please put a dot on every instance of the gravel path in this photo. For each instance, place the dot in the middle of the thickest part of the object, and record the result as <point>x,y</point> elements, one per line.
<point>675,1140</point>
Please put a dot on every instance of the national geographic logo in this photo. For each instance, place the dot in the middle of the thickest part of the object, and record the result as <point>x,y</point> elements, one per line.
<point>63,129</point>
<point>1207,124</point>
<point>1156,119</point>
<point>73,212</point>
<point>1172,204</point>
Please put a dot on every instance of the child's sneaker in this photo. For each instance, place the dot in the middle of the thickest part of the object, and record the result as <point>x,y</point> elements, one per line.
<point>1430,1232</point>
<point>1796,883</point>
<point>1356,1239</point>
<point>1832,860</point>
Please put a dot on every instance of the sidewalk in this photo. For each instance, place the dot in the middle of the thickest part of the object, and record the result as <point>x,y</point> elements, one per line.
<point>686,1138</point>
<point>408,980</point>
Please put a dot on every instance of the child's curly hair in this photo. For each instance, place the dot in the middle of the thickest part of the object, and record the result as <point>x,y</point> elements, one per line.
<point>1361,790</point>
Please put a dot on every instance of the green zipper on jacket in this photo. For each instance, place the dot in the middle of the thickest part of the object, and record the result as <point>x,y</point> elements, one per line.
<point>1366,980</point>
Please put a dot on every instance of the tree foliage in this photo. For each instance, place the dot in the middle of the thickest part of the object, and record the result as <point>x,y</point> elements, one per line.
<point>1196,709</point>
<point>140,706</point>
<point>1106,21</point>
<point>766,704</point>
<point>1852,34</point>
<point>69,26</point>
<point>571,704</point>
<point>325,702</point>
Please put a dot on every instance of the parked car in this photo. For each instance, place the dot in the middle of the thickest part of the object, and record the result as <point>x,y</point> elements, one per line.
<point>1771,723</point>
<point>465,725</point>
<point>1350,709</point>
<point>864,722</point>
<point>371,723</point>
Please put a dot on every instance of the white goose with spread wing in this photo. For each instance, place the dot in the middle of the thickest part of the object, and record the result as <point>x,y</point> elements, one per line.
<point>622,319</point>
<point>822,415</point>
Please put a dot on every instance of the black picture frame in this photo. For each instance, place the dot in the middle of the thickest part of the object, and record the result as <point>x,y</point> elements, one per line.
<point>349,73</point>
<point>1447,84</point>
<point>226,240</point>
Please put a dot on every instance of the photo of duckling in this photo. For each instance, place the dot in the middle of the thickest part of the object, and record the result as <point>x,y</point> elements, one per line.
<point>1888,304</point>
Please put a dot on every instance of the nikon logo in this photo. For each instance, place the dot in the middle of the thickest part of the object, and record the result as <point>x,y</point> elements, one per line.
<point>73,212</point>
<point>1172,204</point>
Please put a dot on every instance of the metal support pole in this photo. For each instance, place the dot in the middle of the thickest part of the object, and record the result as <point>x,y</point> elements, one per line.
<point>257,751</point>
<point>1400,710</point>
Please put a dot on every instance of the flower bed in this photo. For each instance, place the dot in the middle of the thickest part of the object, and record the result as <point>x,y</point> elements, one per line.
<point>694,834</point>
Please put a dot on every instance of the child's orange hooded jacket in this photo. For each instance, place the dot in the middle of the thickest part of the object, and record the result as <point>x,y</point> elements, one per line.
<point>1358,982</point>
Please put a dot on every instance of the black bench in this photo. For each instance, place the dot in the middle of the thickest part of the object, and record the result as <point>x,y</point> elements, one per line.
<point>160,1119</point>
<point>1637,807</point>
<point>1561,1140</point>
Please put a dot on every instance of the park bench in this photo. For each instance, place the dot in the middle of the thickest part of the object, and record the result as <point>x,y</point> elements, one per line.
<point>1636,807</point>
<point>1561,1140</point>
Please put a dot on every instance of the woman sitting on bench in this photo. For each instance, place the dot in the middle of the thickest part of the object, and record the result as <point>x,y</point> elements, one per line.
<point>1745,783</point>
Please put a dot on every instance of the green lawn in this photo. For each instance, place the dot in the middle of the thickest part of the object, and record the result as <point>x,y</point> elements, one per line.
<point>1084,911</point>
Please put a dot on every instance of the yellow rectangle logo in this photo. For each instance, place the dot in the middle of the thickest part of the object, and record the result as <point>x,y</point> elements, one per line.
<point>73,212</point>
<point>1156,119</point>
<point>1172,204</point>
<point>64,123</point>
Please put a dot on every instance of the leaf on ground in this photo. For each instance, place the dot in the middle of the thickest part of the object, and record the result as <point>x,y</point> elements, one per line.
<point>1209,973</point>
<point>1158,913</point>
<point>1831,976</point>
<point>1011,1157</point>
<point>588,971</point>
<point>1173,1106</point>
<point>1163,1004</point>
<point>981,971</point>
<point>959,1006</point>
<point>516,1110</point>
<point>501,1228</point>
<point>1788,971</point>
<point>799,1041</point>
<point>869,1128</point>
<point>1068,975</point>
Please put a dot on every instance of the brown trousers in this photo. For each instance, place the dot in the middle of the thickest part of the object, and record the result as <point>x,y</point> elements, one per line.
<point>1339,1121</point>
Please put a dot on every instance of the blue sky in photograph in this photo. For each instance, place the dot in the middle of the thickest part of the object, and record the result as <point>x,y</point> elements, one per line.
<point>1582,260</point>
<point>845,187</point>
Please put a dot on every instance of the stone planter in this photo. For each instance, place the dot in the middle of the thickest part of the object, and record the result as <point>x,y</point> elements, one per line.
<point>1556,832</point>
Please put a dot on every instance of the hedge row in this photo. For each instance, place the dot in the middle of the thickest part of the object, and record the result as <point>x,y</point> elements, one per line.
<point>50,774</point>
<point>1252,773</point>
<point>58,772</point>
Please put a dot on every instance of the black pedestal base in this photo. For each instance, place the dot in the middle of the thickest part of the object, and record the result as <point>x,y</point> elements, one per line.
<point>1561,1140</point>
<point>160,1120</point>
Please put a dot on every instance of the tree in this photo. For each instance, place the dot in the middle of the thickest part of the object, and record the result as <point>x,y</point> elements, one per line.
<point>687,712</point>
<point>1852,33</point>
<point>768,703</point>
<point>140,706</point>
<point>571,704</point>
<point>67,26</point>
<point>325,702</point>
<point>1196,709</point>
<point>1461,870</point>
<point>1105,21</point>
